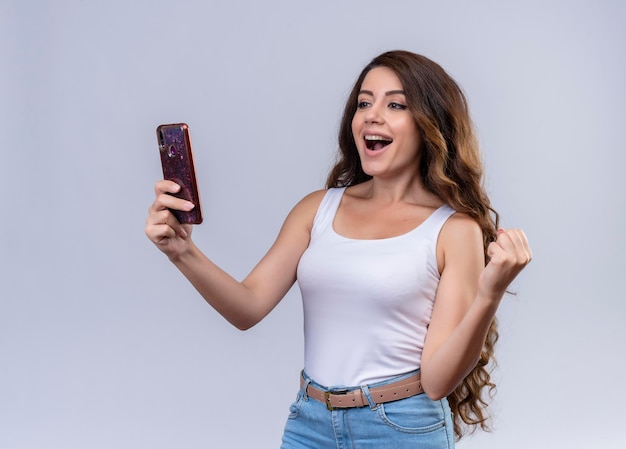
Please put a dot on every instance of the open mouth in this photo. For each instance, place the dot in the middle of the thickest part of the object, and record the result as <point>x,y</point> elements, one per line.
<point>374,142</point>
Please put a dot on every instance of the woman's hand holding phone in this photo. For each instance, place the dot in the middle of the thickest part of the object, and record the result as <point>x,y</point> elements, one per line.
<point>177,203</point>
<point>162,227</point>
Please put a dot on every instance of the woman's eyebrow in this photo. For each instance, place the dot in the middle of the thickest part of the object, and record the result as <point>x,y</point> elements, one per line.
<point>388,93</point>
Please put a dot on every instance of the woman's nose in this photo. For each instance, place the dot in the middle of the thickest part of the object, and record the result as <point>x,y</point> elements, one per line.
<point>373,115</point>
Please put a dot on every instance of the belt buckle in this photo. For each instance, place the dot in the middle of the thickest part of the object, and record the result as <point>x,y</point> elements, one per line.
<point>327,398</point>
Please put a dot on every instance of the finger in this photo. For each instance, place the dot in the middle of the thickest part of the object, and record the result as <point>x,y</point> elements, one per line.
<point>522,249</point>
<point>503,250</point>
<point>165,201</point>
<point>185,230</point>
<point>523,243</point>
<point>492,250</point>
<point>162,231</point>
<point>172,202</point>
<point>166,218</point>
<point>159,217</point>
<point>505,240</point>
<point>514,242</point>
<point>157,233</point>
<point>166,186</point>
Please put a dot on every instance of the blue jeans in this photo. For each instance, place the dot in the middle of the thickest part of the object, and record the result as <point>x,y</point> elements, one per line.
<point>415,422</point>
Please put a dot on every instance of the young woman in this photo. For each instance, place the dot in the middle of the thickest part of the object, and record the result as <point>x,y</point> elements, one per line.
<point>400,264</point>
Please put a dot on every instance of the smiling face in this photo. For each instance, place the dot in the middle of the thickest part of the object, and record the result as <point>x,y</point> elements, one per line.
<point>384,130</point>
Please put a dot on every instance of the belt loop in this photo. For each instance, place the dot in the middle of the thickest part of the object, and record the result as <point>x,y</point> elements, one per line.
<point>366,393</point>
<point>307,381</point>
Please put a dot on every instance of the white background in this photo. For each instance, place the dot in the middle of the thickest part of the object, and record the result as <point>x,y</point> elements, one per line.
<point>104,344</point>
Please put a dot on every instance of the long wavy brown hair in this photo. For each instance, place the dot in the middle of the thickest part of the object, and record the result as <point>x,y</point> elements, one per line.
<point>451,168</point>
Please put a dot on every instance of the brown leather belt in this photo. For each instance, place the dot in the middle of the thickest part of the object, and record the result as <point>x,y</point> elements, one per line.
<point>395,391</point>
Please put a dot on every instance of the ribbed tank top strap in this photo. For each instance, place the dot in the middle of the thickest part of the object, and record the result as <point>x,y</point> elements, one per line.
<point>326,211</point>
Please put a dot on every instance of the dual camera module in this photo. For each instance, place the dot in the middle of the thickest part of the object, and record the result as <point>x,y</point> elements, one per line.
<point>169,142</point>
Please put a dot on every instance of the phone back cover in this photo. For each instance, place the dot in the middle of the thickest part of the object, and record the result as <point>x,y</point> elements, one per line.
<point>177,163</point>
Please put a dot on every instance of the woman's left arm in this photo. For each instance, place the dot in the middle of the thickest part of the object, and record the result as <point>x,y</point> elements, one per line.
<point>467,299</point>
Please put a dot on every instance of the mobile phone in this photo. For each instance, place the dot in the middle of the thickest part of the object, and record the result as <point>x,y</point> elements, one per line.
<point>177,163</point>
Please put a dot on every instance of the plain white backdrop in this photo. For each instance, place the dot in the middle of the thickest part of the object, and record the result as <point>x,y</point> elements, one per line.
<point>104,344</point>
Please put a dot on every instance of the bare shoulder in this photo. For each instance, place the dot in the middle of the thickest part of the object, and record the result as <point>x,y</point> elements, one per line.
<point>460,225</point>
<point>313,198</point>
<point>460,237</point>
<point>310,203</point>
<point>304,211</point>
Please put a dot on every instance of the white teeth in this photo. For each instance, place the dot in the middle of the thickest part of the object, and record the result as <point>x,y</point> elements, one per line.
<point>374,137</point>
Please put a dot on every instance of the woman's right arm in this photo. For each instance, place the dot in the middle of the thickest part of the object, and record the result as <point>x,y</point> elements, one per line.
<point>244,303</point>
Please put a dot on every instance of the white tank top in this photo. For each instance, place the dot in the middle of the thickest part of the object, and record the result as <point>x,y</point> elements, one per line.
<point>367,303</point>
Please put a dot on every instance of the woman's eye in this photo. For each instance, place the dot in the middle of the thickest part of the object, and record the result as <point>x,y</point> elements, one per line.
<point>362,104</point>
<point>397,106</point>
